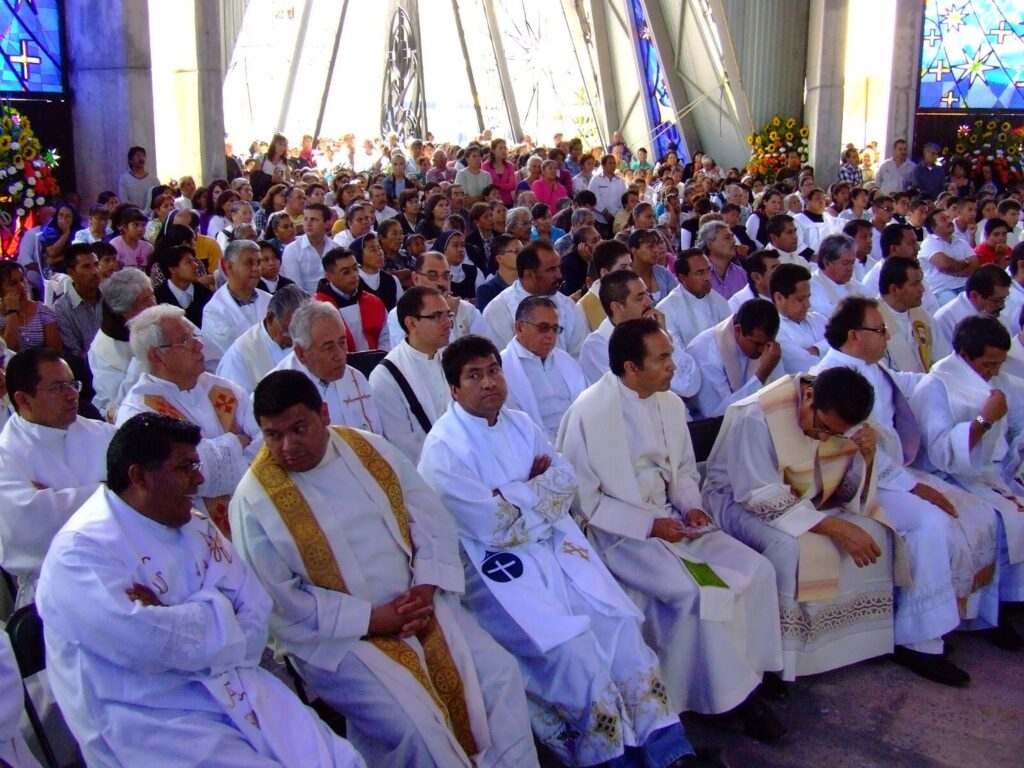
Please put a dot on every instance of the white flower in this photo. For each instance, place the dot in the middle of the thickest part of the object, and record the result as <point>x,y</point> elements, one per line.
<point>29,203</point>
<point>40,200</point>
<point>989,157</point>
<point>15,145</point>
<point>21,211</point>
<point>999,153</point>
<point>11,170</point>
<point>32,181</point>
<point>30,193</point>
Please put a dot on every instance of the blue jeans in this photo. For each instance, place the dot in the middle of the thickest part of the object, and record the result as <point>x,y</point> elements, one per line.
<point>662,748</point>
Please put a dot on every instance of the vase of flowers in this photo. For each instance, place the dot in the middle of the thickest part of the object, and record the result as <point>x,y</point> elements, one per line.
<point>770,145</point>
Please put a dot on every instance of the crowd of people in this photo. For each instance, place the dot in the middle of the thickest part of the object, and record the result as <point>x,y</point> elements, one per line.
<point>418,418</point>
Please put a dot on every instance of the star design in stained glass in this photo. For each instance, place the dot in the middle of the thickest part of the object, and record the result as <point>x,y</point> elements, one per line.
<point>953,17</point>
<point>975,68</point>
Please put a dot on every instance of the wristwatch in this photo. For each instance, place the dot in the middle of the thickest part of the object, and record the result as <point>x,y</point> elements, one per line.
<point>985,423</point>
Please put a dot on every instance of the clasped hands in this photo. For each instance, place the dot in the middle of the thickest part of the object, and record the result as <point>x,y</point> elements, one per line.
<point>405,615</point>
<point>672,530</point>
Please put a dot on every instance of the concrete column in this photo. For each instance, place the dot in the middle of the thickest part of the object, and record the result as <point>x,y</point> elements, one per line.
<point>823,106</point>
<point>111,85</point>
<point>906,73</point>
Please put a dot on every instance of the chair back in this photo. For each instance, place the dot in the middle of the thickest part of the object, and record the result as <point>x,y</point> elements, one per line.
<point>364,362</point>
<point>703,434</point>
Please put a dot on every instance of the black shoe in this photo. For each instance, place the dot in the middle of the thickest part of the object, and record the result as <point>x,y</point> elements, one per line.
<point>931,666</point>
<point>759,721</point>
<point>1004,636</point>
<point>773,687</point>
<point>706,757</point>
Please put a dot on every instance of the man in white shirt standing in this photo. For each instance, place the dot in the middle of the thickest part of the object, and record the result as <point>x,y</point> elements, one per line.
<point>543,380</point>
<point>320,350</point>
<point>258,350</point>
<point>154,627</point>
<point>895,174</point>
<point>408,386</point>
<point>609,188</point>
<point>947,261</point>
<point>834,281</point>
<point>801,332</point>
<point>51,461</point>
<point>237,305</point>
<point>300,261</point>
<point>692,307</point>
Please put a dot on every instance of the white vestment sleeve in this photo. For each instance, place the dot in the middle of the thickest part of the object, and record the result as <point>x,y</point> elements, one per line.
<point>399,425</point>
<point>947,443</point>
<point>686,379</point>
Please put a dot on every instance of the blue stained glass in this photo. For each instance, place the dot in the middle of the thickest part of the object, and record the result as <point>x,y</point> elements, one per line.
<point>972,55</point>
<point>30,51</point>
<point>660,112</point>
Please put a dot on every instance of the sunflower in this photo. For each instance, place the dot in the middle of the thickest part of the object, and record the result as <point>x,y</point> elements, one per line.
<point>758,141</point>
<point>776,121</point>
<point>29,153</point>
<point>774,136</point>
<point>6,123</point>
<point>18,162</point>
<point>789,135</point>
<point>750,139</point>
<point>791,123</point>
<point>991,125</point>
<point>959,149</point>
<point>1005,127</point>
<point>1001,138</point>
<point>771,148</point>
<point>5,143</point>
<point>805,132</point>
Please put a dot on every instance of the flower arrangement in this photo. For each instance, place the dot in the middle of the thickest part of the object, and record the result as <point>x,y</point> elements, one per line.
<point>768,147</point>
<point>26,179</point>
<point>990,141</point>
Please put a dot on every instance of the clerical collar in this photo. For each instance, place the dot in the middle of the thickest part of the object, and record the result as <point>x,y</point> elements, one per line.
<point>243,302</point>
<point>347,298</point>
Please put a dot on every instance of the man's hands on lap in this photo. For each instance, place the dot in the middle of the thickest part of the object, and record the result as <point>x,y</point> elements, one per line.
<point>404,616</point>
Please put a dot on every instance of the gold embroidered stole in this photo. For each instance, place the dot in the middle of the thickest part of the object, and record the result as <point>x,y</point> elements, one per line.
<point>444,685</point>
<point>225,404</point>
<point>922,335</point>
<point>729,349</point>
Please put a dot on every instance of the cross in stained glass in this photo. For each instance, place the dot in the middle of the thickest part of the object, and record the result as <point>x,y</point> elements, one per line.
<point>949,100</point>
<point>932,38</point>
<point>938,69</point>
<point>1001,31</point>
<point>25,60</point>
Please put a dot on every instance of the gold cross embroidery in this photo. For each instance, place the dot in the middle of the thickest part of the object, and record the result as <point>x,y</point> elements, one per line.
<point>571,549</point>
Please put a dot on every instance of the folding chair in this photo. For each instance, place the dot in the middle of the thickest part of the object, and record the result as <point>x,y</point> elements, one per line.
<point>364,362</point>
<point>334,719</point>
<point>25,629</point>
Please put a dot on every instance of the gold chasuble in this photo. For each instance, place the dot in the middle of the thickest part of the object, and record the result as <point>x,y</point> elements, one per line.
<point>443,683</point>
<point>226,405</point>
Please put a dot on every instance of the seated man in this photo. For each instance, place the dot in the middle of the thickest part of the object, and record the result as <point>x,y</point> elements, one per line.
<point>543,380</point>
<point>364,314</point>
<point>51,461</point>
<point>387,590</point>
<point>254,354</point>
<point>408,386</point>
<point>320,350</point>
<point>624,297</point>
<point>897,240</point>
<point>237,305</point>
<point>609,256</point>
<point>174,383</point>
<point>950,539</point>
<point>834,281</point>
<point>432,271</point>
<point>736,358</point>
<point>540,274</point>
<point>801,332</point>
<point>533,581</point>
<point>710,602</point>
<point>792,475</point>
<point>914,342</point>
<point>692,306</point>
<point>970,416</point>
<point>759,266</point>
<point>985,293</point>
<point>154,627</point>
<point>947,261</point>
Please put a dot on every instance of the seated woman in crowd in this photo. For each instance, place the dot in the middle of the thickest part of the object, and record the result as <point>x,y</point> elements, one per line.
<point>209,209</point>
<point>271,203</point>
<point>58,234</point>
<point>435,214</point>
<point>24,322</point>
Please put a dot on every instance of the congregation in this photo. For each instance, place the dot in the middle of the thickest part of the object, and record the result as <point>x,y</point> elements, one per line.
<point>422,419</point>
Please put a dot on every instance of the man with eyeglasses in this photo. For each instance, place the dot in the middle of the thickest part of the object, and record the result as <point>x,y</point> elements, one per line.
<point>543,380</point>
<point>237,305</point>
<point>50,461</point>
<point>174,382</point>
<point>624,296</point>
<point>792,475</point>
<point>985,293</point>
<point>949,537</point>
<point>433,271</point>
<point>155,625</point>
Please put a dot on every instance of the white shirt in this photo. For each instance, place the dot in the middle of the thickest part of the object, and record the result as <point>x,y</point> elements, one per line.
<point>826,294</point>
<point>185,297</point>
<point>869,288</point>
<point>686,315</point>
<point>549,387</point>
<point>500,316</point>
<point>744,294</point>
<point>467,320</point>
<point>251,357</point>
<point>892,178</point>
<point>936,280</point>
<point>715,393</point>
<point>609,192</point>
<point>386,213</point>
<point>349,399</point>
<point>949,315</point>
<point>224,320</point>
<point>795,338</point>
<point>301,262</point>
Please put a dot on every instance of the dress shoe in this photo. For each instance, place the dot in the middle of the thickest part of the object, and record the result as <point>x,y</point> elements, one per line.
<point>1004,636</point>
<point>773,687</point>
<point>759,721</point>
<point>931,666</point>
<point>706,757</point>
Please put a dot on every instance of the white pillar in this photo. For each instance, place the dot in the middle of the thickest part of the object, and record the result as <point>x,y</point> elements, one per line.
<point>906,73</point>
<point>823,107</point>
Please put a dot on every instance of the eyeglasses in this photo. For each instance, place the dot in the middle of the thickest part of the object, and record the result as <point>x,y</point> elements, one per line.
<point>437,317</point>
<point>887,208</point>
<point>880,331</point>
<point>822,429</point>
<point>184,342</point>
<point>189,467</point>
<point>545,327</point>
<point>63,388</point>
<point>434,275</point>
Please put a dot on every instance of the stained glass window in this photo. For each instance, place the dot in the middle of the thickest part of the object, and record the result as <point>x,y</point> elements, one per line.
<point>660,112</point>
<point>30,47</point>
<point>972,56</point>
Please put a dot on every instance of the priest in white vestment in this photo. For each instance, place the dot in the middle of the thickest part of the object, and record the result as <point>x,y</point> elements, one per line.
<point>255,353</point>
<point>759,266</point>
<point>801,332</point>
<point>834,279</point>
<point>14,752</point>
<point>736,358</point>
<point>971,420</point>
<point>433,271</point>
<point>366,592</point>
<point>947,261</point>
<point>692,307</point>
<point>897,240</point>
<point>155,627</point>
<point>792,475</point>
<point>539,275</point>
<point>51,461</point>
<point>534,581</point>
<point>237,305</point>
<point>543,380</point>
<point>175,383</point>
<point>710,603</point>
<point>625,297</point>
<point>126,293</point>
<point>914,342</point>
<point>408,409</point>
<point>950,538</point>
<point>320,351</point>
<point>985,294</point>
